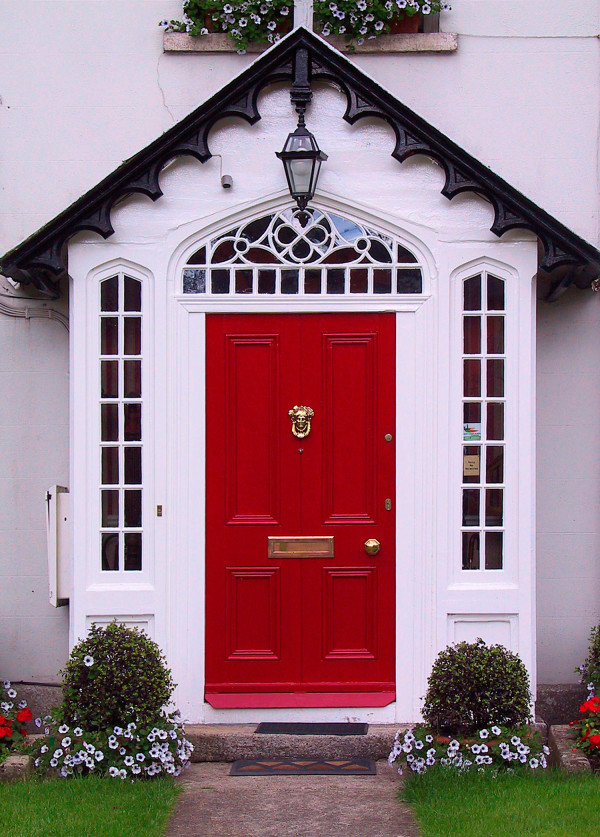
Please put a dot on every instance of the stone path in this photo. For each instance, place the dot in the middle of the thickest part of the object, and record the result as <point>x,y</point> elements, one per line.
<point>215,804</point>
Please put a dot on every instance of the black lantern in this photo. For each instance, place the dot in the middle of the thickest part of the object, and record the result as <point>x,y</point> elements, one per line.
<point>302,160</point>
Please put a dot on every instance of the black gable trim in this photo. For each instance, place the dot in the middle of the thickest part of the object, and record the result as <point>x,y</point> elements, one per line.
<point>41,258</point>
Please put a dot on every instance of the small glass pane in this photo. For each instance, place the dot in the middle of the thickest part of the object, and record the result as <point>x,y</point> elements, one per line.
<point>194,281</point>
<point>472,412</point>
<point>472,382</point>
<point>133,336</point>
<point>405,255</point>
<point>109,336</point>
<point>495,294</point>
<point>382,281</point>
<point>132,378</point>
<point>470,550</point>
<point>109,422</point>
<point>289,281</point>
<point>409,281</point>
<point>495,335</point>
<point>219,281</point>
<point>472,335</point>
<point>470,507</point>
<point>472,291</point>
<point>133,466</point>
<point>243,281</point>
<point>110,466</point>
<point>133,294</point>
<point>494,507</point>
<point>199,257</point>
<point>495,378</point>
<point>132,422</point>
<point>335,281</point>
<point>110,508</point>
<point>493,550</point>
<point>494,464</point>
<point>359,280</point>
<point>495,421</point>
<point>133,509</point>
<point>471,464</point>
<point>312,281</point>
<point>109,378</point>
<point>110,551</point>
<point>266,281</point>
<point>109,294</point>
<point>133,551</point>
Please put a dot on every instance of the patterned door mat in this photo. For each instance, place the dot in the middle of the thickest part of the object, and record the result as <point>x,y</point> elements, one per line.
<point>291,728</point>
<point>303,767</point>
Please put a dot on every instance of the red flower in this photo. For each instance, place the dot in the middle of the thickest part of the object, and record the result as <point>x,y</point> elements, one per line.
<point>24,715</point>
<point>594,740</point>
<point>3,720</point>
<point>5,732</point>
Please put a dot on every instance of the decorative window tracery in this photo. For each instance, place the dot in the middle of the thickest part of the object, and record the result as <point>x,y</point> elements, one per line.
<point>304,253</point>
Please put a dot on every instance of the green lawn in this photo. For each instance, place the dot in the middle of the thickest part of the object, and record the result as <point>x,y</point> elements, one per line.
<point>540,803</point>
<point>86,807</point>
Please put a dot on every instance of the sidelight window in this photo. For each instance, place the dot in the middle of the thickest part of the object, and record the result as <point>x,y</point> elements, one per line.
<point>121,427</point>
<point>484,416</point>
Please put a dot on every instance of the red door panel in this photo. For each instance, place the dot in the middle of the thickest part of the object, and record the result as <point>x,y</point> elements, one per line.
<point>309,625</point>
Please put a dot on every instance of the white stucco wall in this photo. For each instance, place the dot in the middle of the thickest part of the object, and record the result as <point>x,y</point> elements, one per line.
<point>86,85</point>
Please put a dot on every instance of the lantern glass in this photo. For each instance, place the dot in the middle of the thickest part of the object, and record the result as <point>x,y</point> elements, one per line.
<point>302,160</point>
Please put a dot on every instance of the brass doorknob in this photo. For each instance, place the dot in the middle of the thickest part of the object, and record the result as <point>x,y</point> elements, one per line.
<point>372,546</point>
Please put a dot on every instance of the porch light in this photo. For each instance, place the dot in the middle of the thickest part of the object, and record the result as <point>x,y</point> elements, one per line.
<point>302,158</point>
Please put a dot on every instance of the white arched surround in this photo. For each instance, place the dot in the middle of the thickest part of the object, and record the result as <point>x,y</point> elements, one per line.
<point>452,240</point>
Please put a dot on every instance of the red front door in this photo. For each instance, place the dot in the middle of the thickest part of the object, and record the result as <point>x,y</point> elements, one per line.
<point>291,622</point>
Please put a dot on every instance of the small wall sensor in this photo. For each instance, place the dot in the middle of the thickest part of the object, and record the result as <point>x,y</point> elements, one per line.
<point>226,181</point>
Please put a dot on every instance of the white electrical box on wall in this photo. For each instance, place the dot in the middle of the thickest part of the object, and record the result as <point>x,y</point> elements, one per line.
<point>58,523</point>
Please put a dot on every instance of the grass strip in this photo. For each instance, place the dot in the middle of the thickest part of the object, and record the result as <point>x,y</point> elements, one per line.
<point>90,806</point>
<point>542,803</point>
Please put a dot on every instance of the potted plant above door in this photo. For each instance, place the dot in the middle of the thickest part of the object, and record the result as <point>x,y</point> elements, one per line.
<point>360,19</point>
<point>244,21</point>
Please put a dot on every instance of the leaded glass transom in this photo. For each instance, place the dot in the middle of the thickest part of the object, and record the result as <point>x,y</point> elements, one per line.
<point>304,253</point>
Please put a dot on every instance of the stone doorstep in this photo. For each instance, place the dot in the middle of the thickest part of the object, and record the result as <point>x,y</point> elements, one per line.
<point>15,767</point>
<point>228,742</point>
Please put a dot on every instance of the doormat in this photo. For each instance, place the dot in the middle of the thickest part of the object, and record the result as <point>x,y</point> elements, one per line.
<point>289,728</point>
<point>295,767</point>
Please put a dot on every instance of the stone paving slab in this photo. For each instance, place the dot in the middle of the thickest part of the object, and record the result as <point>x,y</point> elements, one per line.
<point>215,804</point>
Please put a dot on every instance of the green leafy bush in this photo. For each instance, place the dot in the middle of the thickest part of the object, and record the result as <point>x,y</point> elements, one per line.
<point>473,686</point>
<point>590,670</point>
<point>113,676</point>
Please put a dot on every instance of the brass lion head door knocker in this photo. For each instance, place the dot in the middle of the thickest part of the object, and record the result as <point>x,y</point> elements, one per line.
<point>301,417</point>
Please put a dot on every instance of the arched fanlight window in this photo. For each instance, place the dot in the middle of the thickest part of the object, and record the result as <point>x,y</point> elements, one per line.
<point>283,253</point>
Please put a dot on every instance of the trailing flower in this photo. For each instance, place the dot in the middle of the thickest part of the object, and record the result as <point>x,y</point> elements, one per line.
<point>243,20</point>
<point>494,749</point>
<point>131,752</point>
<point>589,671</point>
<point>587,727</point>
<point>246,21</point>
<point>360,19</point>
<point>13,717</point>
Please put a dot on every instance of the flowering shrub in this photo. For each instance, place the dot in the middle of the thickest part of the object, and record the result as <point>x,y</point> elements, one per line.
<point>360,19</point>
<point>473,686</point>
<point>492,749</point>
<point>129,752</point>
<point>116,673</point>
<point>587,727</point>
<point>13,718</point>
<point>589,671</point>
<point>243,20</point>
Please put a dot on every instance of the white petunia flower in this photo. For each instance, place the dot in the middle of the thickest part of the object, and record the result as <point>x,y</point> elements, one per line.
<point>98,755</point>
<point>496,730</point>
<point>66,741</point>
<point>113,771</point>
<point>63,728</point>
<point>88,660</point>
<point>483,733</point>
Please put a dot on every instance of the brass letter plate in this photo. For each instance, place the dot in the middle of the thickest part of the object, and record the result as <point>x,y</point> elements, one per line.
<point>301,547</point>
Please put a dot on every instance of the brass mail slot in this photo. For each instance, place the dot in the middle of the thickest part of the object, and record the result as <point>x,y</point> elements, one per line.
<point>301,547</point>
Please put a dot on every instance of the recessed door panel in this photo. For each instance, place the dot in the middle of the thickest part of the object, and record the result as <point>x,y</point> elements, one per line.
<point>298,472</point>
